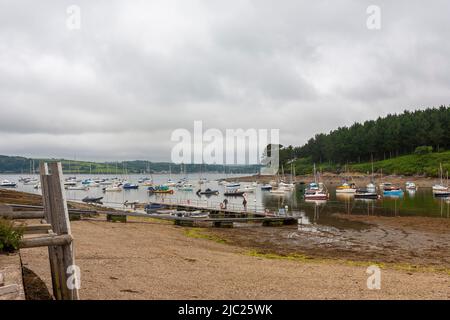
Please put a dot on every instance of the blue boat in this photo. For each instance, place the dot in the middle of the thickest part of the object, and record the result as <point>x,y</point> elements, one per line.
<point>266,187</point>
<point>130,186</point>
<point>396,193</point>
<point>151,207</point>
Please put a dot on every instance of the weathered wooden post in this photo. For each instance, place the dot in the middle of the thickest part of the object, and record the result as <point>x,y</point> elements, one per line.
<point>61,257</point>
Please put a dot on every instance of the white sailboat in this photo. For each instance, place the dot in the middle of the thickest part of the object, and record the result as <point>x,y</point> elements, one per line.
<point>441,187</point>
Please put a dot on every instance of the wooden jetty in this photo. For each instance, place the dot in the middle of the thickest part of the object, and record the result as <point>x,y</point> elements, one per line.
<point>220,216</point>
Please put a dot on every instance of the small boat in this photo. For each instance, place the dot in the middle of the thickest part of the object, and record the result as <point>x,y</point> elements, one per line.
<point>366,194</point>
<point>152,207</point>
<point>279,191</point>
<point>130,186</point>
<point>147,183</point>
<point>248,189</point>
<point>439,187</point>
<point>131,204</point>
<point>186,187</point>
<point>346,188</point>
<point>234,193</point>
<point>170,183</point>
<point>160,189</point>
<point>371,187</point>
<point>113,188</point>
<point>30,181</point>
<point>316,195</point>
<point>92,199</point>
<point>90,183</point>
<point>441,194</point>
<point>385,185</point>
<point>208,192</point>
<point>392,191</point>
<point>8,184</point>
<point>286,186</point>
<point>410,185</point>
<point>315,190</point>
<point>70,183</point>
<point>232,185</point>
<point>79,188</point>
<point>266,187</point>
<point>198,215</point>
<point>142,180</point>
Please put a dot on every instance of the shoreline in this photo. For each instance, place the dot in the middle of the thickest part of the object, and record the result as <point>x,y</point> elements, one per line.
<point>147,258</point>
<point>358,178</point>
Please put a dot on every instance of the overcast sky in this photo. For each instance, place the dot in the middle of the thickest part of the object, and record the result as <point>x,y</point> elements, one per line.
<point>137,70</point>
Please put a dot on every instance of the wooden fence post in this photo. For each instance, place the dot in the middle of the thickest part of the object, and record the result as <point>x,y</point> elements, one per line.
<point>56,213</point>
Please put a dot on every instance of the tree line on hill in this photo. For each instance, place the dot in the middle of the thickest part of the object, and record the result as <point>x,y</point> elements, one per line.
<point>14,164</point>
<point>380,139</point>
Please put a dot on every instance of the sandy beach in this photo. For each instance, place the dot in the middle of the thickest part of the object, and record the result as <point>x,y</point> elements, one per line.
<point>154,260</point>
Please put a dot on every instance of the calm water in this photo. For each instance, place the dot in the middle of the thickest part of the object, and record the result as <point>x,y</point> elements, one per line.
<point>418,203</point>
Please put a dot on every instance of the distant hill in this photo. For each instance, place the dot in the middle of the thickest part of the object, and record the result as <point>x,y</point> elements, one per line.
<point>15,164</point>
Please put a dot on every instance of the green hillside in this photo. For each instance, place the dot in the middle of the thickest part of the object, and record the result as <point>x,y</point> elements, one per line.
<point>414,164</point>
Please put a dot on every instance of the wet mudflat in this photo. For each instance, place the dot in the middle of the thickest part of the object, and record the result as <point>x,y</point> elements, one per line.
<point>417,241</point>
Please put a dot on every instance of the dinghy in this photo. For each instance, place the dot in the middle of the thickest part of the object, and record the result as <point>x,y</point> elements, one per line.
<point>92,200</point>
<point>8,184</point>
<point>208,192</point>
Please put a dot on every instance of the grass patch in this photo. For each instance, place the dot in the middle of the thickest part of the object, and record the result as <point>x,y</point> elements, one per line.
<point>274,256</point>
<point>199,233</point>
<point>10,236</point>
<point>149,219</point>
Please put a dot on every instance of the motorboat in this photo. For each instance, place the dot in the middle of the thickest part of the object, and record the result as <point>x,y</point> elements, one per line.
<point>286,186</point>
<point>153,207</point>
<point>232,185</point>
<point>130,186</point>
<point>266,187</point>
<point>392,190</point>
<point>171,183</point>
<point>208,191</point>
<point>441,194</point>
<point>8,184</point>
<point>113,188</point>
<point>186,187</point>
<point>75,188</point>
<point>234,193</point>
<point>439,187</point>
<point>92,200</point>
<point>346,188</point>
<point>311,194</point>
<point>30,181</point>
<point>70,183</point>
<point>366,194</point>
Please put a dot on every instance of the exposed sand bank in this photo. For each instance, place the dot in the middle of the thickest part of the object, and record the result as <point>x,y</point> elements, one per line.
<point>159,261</point>
<point>151,259</point>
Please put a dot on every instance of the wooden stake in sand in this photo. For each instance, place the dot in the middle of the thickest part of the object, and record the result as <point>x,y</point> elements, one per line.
<point>61,255</point>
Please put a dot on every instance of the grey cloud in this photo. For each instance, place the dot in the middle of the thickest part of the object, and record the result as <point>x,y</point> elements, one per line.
<point>136,71</point>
